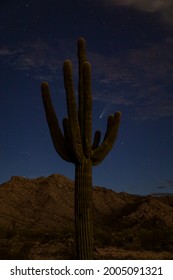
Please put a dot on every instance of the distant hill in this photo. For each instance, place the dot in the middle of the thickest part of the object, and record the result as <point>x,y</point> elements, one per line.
<point>36,220</point>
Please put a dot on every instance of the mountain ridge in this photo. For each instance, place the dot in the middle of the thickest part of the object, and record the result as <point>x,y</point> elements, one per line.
<point>41,208</point>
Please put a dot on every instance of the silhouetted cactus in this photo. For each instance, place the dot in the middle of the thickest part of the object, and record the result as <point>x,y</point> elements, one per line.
<point>74,144</point>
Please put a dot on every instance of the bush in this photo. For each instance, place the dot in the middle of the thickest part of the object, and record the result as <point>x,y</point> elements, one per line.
<point>155,239</point>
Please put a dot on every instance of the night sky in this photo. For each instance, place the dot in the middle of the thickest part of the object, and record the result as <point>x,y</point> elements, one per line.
<point>130,47</point>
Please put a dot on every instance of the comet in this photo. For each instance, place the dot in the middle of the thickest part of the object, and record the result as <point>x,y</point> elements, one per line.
<point>104,110</point>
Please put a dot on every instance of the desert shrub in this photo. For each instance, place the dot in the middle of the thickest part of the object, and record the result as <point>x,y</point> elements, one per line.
<point>10,231</point>
<point>39,235</point>
<point>32,234</point>
<point>22,253</point>
<point>65,252</point>
<point>2,232</point>
<point>126,239</point>
<point>155,239</point>
<point>65,231</point>
<point>10,251</point>
<point>102,237</point>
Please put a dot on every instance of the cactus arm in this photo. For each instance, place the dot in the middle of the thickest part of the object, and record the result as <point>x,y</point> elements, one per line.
<point>81,52</point>
<point>96,140</point>
<point>72,112</point>
<point>110,136</point>
<point>87,109</point>
<point>81,61</point>
<point>109,125</point>
<point>66,129</point>
<point>55,130</point>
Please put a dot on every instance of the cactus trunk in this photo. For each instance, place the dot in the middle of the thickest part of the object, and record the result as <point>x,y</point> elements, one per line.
<point>83,211</point>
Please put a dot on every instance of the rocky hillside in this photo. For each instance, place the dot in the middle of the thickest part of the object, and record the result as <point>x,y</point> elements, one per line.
<point>41,210</point>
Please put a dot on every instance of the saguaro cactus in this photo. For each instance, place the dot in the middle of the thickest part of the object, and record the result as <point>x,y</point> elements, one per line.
<point>75,145</point>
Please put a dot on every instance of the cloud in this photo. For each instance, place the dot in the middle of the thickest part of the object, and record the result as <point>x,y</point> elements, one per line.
<point>164,7</point>
<point>37,56</point>
<point>4,51</point>
<point>170,183</point>
<point>145,5</point>
<point>110,97</point>
<point>166,184</point>
<point>138,78</point>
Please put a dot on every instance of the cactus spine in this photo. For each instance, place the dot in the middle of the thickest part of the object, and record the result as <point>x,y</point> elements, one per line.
<point>74,144</point>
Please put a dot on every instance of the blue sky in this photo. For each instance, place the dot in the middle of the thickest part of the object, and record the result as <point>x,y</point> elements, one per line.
<point>129,44</point>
